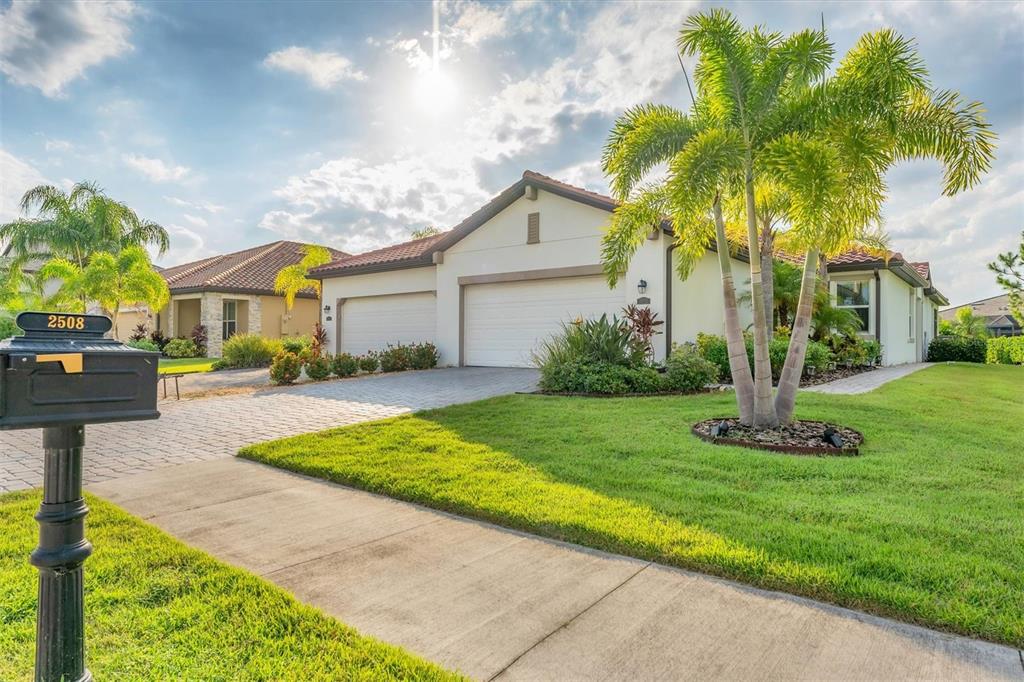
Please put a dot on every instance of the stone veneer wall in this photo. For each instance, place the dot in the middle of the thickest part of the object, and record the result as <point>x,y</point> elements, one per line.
<point>211,315</point>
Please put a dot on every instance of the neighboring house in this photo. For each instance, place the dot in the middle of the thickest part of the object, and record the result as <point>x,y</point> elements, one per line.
<point>492,289</point>
<point>234,293</point>
<point>999,320</point>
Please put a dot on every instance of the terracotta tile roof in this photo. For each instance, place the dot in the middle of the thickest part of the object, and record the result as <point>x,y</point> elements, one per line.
<point>923,269</point>
<point>858,256</point>
<point>571,189</point>
<point>250,270</point>
<point>389,254</point>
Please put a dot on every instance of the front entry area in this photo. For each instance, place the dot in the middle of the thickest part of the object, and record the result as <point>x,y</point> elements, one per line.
<point>506,322</point>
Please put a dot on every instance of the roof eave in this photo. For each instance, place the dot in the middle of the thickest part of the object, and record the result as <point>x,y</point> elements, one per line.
<point>405,264</point>
<point>233,290</point>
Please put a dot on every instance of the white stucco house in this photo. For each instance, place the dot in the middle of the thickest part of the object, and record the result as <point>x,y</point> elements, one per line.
<point>491,289</point>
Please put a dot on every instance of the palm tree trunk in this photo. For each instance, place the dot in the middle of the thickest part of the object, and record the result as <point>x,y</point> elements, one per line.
<point>764,408</point>
<point>742,382</point>
<point>768,277</point>
<point>785,399</point>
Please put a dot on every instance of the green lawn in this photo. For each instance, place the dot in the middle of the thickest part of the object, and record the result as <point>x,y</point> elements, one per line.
<point>185,365</point>
<point>927,525</point>
<point>158,610</point>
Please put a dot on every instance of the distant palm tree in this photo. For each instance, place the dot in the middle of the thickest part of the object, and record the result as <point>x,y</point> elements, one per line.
<point>73,225</point>
<point>292,279</point>
<point>428,231</point>
<point>112,280</point>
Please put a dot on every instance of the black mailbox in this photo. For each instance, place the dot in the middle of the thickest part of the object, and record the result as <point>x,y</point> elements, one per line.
<point>61,375</point>
<point>63,371</point>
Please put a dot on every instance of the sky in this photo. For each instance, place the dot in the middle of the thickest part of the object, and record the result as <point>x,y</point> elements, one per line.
<point>239,123</point>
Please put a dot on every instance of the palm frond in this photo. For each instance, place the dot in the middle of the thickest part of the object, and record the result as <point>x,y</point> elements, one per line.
<point>631,222</point>
<point>643,137</point>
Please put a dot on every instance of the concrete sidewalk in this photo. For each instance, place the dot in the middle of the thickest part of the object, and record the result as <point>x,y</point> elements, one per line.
<point>494,603</point>
<point>868,381</point>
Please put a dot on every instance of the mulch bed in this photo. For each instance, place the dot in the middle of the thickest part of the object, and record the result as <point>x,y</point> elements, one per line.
<point>802,437</point>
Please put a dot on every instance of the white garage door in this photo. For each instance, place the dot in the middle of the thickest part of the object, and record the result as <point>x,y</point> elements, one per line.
<point>506,322</point>
<point>372,322</point>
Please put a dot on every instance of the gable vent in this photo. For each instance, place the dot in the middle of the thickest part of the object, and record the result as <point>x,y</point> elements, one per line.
<point>533,228</point>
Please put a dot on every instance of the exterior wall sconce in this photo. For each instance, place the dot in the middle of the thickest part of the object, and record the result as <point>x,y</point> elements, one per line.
<point>327,308</point>
<point>641,287</point>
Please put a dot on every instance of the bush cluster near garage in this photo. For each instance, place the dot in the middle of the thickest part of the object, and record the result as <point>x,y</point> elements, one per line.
<point>287,365</point>
<point>606,356</point>
<point>159,610</point>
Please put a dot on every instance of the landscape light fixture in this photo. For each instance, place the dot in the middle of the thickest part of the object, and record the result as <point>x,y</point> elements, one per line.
<point>641,286</point>
<point>832,437</point>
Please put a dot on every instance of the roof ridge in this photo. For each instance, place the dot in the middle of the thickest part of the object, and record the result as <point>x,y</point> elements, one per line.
<point>237,266</point>
<point>196,267</point>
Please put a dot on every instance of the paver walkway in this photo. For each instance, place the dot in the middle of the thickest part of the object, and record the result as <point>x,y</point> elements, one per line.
<point>215,427</point>
<point>868,381</point>
<point>500,604</point>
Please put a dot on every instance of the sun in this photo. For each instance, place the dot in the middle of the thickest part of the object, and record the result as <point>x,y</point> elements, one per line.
<point>435,92</point>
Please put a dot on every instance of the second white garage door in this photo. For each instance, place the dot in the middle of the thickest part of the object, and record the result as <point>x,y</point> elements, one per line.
<point>372,322</point>
<point>506,322</point>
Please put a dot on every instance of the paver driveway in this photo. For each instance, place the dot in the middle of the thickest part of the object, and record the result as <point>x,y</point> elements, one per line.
<point>196,430</point>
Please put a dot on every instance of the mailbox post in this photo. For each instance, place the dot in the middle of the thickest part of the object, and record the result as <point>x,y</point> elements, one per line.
<point>62,374</point>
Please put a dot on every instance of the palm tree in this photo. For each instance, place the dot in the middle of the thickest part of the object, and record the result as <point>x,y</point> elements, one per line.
<point>970,325</point>
<point>294,278</point>
<point>847,132</point>
<point>744,79</point>
<point>112,280</point>
<point>72,225</point>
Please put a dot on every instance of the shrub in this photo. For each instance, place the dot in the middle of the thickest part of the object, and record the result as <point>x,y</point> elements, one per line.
<point>8,328</point>
<point>219,364</point>
<point>157,337</point>
<point>285,368</point>
<point>424,355</point>
<point>296,344</point>
<point>1005,350</point>
<point>957,348</point>
<point>143,344</point>
<point>643,326</point>
<point>818,357</point>
<point>686,370</point>
<point>644,380</point>
<point>181,348</point>
<point>319,339</point>
<point>249,350</point>
<point>874,350</point>
<point>344,365</point>
<point>200,338</point>
<point>139,333</point>
<point>368,362</point>
<point>715,349</point>
<point>602,340</point>
<point>318,367</point>
<point>395,358</point>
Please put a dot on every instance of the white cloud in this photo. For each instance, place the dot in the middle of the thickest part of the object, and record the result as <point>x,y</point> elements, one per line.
<point>477,23</point>
<point>323,69</point>
<point>196,220</point>
<point>195,205</point>
<point>186,246</point>
<point>155,169</point>
<point>18,177</point>
<point>47,45</point>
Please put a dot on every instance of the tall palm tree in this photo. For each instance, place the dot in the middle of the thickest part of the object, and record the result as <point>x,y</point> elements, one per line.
<point>877,110</point>
<point>292,279</point>
<point>72,225</point>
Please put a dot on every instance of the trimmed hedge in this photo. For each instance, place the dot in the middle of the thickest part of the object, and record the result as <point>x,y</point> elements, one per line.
<point>957,349</point>
<point>686,370</point>
<point>1005,350</point>
<point>181,348</point>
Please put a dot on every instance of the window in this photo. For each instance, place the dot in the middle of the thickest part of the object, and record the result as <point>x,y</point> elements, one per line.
<point>856,297</point>
<point>230,319</point>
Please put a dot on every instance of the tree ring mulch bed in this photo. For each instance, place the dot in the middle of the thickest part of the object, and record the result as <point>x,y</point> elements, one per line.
<point>802,437</point>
